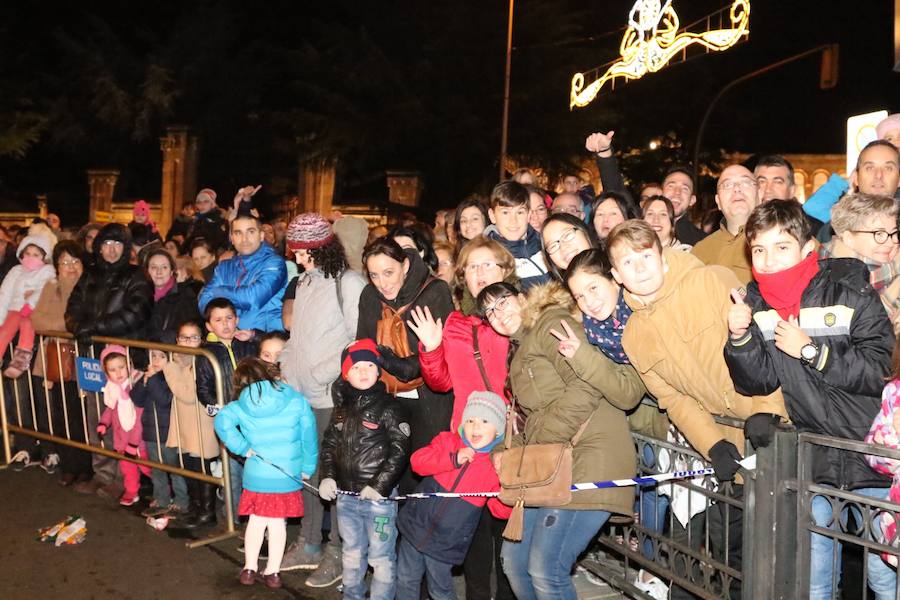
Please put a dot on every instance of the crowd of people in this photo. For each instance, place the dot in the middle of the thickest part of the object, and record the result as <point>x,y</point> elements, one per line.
<point>361,364</point>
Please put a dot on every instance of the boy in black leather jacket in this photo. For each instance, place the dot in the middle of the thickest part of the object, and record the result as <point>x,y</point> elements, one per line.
<point>365,451</point>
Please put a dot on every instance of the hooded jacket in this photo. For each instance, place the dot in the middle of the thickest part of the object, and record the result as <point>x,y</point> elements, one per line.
<point>530,265</point>
<point>430,413</point>
<point>321,328</point>
<point>255,285</point>
<point>556,401</point>
<point>840,394</point>
<point>443,528</point>
<point>367,441</point>
<point>276,422</point>
<point>675,343</point>
<point>111,299</point>
<point>19,280</point>
<point>192,429</point>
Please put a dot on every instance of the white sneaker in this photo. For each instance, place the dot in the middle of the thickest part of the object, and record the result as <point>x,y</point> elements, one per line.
<point>21,460</point>
<point>50,463</point>
<point>655,588</point>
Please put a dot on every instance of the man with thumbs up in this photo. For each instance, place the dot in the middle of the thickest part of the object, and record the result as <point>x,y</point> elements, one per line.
<point>817,329</point>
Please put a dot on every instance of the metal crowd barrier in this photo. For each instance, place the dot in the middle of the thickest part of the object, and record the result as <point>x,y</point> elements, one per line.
<point>773,514</point>
<point>63,413</point>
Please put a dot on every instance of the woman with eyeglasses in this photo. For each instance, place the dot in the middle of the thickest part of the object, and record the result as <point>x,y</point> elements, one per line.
<point>866,228</point>
<point>173,303</point>
<point>49,315</point>
<point>563,237</point>
<point>449,363</point>
<point>556,404</point>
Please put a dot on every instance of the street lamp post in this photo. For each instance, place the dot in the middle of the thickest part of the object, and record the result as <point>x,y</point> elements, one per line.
<point>830,53</point>
<point>505,127</point>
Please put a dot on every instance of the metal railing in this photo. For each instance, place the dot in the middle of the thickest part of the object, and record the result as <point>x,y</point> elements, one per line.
<point>63,413</point>
<point>772,515</point>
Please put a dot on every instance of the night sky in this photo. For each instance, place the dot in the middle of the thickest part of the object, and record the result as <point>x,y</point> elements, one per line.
<point>395,85</point>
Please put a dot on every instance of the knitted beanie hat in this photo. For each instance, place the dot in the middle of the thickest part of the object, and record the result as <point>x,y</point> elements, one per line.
<point>358,351</point>
<point>308,231</point>
<point>209,193</point>
<point>487,406</point>
<point>889,123</point>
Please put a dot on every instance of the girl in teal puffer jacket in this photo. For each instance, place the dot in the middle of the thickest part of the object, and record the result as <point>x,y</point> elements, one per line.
<point>273,426</point>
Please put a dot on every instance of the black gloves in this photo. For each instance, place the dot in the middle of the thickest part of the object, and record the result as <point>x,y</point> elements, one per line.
<point>404,369</point>
<point>760,428</point>
<point>724,456</point>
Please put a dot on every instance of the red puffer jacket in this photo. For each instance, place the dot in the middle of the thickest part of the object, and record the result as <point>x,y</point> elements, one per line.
<point>452,365</point>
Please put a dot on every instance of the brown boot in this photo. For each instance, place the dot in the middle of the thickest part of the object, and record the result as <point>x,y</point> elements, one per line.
<point>20,362</point>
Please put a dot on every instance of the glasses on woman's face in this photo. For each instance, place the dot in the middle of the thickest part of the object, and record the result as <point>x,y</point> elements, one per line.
<point>188,338</point>
<point>566,238</point>
<point>881,236</point>
<point>73,262</point>
<point>482,266</point>
<point>500,304</point>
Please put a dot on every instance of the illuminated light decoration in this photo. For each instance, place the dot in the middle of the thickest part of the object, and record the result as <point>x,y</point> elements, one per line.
<point>652,40</point>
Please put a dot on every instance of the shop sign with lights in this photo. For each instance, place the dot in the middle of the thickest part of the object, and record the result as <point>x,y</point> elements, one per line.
<point>652,40</point>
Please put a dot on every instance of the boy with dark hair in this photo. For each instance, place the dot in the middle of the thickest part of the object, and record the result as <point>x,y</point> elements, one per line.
<point>817,329</point>
<point>229,345</point>
<point>509,218</point>
<point>365,450</point>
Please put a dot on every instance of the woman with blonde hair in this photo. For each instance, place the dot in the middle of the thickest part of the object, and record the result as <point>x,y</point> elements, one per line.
<point>465,355</point>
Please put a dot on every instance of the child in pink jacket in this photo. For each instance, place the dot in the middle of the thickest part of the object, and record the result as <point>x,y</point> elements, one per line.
<point>124,418</point>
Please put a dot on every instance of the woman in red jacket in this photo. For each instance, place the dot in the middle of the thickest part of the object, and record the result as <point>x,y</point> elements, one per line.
<point>447,356</point>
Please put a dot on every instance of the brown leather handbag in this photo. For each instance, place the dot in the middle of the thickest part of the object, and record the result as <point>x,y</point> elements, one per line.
<point>60,359</point>
<point>391,332</point>
<point>534,475</point>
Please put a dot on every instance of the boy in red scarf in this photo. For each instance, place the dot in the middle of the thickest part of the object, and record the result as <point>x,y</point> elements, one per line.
<point>817,329</point>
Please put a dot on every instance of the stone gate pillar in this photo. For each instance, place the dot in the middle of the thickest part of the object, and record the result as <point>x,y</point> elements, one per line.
<point>179,173</point>
<point>316,186</point>
<point>102,186</point>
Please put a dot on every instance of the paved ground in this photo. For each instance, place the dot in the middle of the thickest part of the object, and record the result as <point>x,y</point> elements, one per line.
<point>123,558</point>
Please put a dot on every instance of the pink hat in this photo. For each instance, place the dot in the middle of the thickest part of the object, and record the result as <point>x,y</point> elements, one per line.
<point>112,349</point>
<point>889,123</point>
<point>141,208</point>
<point>309,231</point>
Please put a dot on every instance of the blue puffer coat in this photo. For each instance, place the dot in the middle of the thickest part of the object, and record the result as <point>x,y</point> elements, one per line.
<point>255,284</point>
<point>278,424</point>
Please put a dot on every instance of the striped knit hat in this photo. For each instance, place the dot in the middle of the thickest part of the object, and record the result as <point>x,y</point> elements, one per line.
<point>209,193</point>
<point>309,231</point>
<point>359,351</point>
<point>487,406</point>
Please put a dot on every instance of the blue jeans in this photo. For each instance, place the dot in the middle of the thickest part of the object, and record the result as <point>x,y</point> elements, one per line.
<point>369,534</point>
<point>412,565</point>
<point>539,567</point>
<point>160,479</point>
<point>652,508</point>
<point>236,477</point>
<point>882,577</point>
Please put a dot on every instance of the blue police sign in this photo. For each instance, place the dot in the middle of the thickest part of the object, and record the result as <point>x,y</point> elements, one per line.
<point>91,377</point>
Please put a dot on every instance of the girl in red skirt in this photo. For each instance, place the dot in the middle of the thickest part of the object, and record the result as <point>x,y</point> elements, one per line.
<point>272,425</point>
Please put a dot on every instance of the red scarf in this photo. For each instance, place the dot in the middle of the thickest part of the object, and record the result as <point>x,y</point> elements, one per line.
<point>160,293</point>
<point>782,290</point>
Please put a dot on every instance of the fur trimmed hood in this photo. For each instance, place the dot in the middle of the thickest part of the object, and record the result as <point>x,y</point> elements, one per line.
<point>543,297</point>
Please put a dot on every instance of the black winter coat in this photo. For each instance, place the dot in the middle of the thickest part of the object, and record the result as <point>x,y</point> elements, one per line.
<point>429,414</point>
<point>367,440</point>
<point>840,394</point>
<point>111,299</point>
<point>176,307</point>
<point>206,378</point>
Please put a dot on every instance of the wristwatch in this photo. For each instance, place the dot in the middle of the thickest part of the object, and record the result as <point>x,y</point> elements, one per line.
<point>809,353</point>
